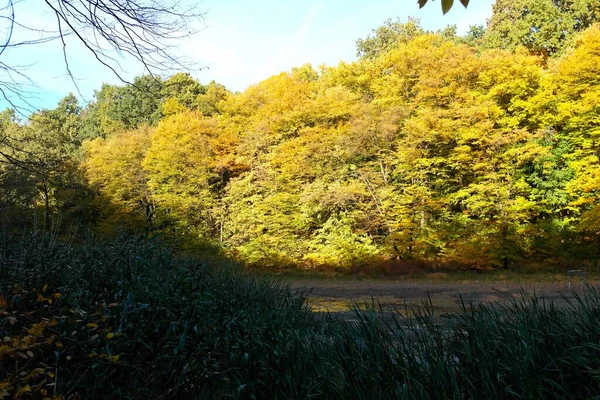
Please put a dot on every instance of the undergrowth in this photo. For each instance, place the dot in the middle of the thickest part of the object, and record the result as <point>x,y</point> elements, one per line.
<point>129,319</point>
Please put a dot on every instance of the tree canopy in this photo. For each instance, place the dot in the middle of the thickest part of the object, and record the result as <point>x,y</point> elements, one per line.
<point>430,148</point>
<point>542,26</point>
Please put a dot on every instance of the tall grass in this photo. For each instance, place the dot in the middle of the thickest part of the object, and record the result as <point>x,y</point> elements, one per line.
<point>129,319</point>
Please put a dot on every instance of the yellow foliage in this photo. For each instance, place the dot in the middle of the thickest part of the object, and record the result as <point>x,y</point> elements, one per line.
<point>172,106</point>
<point>424,150</point>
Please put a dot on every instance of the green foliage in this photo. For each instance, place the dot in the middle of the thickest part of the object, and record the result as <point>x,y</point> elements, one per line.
<point>338,244</point>
<point>40,170</point>
<point>388,36</point>
<point>542,26</point>
<point>132,105</point>
<point>146,101</point>
<point>134,321</point>
<point>184,89</point>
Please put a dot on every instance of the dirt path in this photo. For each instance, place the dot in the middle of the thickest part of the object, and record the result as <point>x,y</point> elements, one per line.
<point>339,295</point>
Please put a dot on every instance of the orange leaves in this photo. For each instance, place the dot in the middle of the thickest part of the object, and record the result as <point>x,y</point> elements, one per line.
<point>5,388</point>
<point>28,354</point>
<point>31,355</point>
<point>104,356</point>
<point>37,329</point>
<point>42,299</point>
<point>22,390</point>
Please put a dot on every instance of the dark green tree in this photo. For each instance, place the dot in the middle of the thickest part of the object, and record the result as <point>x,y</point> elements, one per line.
<point>542,26</point>
<point>387,36</point>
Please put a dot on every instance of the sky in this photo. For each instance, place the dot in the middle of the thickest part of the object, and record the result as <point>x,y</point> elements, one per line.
<point>241,42</point>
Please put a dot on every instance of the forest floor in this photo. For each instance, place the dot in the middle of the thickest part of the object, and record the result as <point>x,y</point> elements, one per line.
<point>339,295</point>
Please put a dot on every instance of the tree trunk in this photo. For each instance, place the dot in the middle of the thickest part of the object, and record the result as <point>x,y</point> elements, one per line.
<point>46,194</point>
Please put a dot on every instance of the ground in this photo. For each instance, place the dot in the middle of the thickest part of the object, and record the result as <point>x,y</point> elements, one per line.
<point>338,295</point>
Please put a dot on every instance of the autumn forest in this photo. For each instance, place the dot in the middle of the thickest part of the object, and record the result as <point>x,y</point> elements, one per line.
<point>173,239</point>
<point>474,151</point>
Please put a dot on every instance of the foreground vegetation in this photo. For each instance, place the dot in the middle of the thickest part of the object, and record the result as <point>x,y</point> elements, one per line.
<point>479,151</point>
<point>128,319</point>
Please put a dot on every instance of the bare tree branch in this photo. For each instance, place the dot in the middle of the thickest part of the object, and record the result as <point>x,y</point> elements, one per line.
<point>11,28</point>
<point>146,31</point>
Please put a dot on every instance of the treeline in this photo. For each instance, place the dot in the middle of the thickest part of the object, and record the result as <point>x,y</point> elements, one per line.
<point>479,151</point>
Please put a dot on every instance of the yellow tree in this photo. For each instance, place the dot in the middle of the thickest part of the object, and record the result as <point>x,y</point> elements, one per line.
<point>181,172</point>
<point>570,103</point>
<point>114,166</point>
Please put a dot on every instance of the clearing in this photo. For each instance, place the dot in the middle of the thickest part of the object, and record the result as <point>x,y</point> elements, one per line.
<point>338,295</point>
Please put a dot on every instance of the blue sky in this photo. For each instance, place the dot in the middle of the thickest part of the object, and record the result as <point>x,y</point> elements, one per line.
<point>242,43</point>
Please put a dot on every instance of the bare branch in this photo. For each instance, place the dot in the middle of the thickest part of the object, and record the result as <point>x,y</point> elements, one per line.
<point>146,31</point>
<point>11,19</point>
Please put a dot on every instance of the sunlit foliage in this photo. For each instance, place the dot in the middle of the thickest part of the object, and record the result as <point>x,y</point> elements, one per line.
<point>431,148</point>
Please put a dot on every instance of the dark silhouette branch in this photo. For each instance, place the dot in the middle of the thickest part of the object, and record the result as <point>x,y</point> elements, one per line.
<point>11,29</point>
<point>142,30</point>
